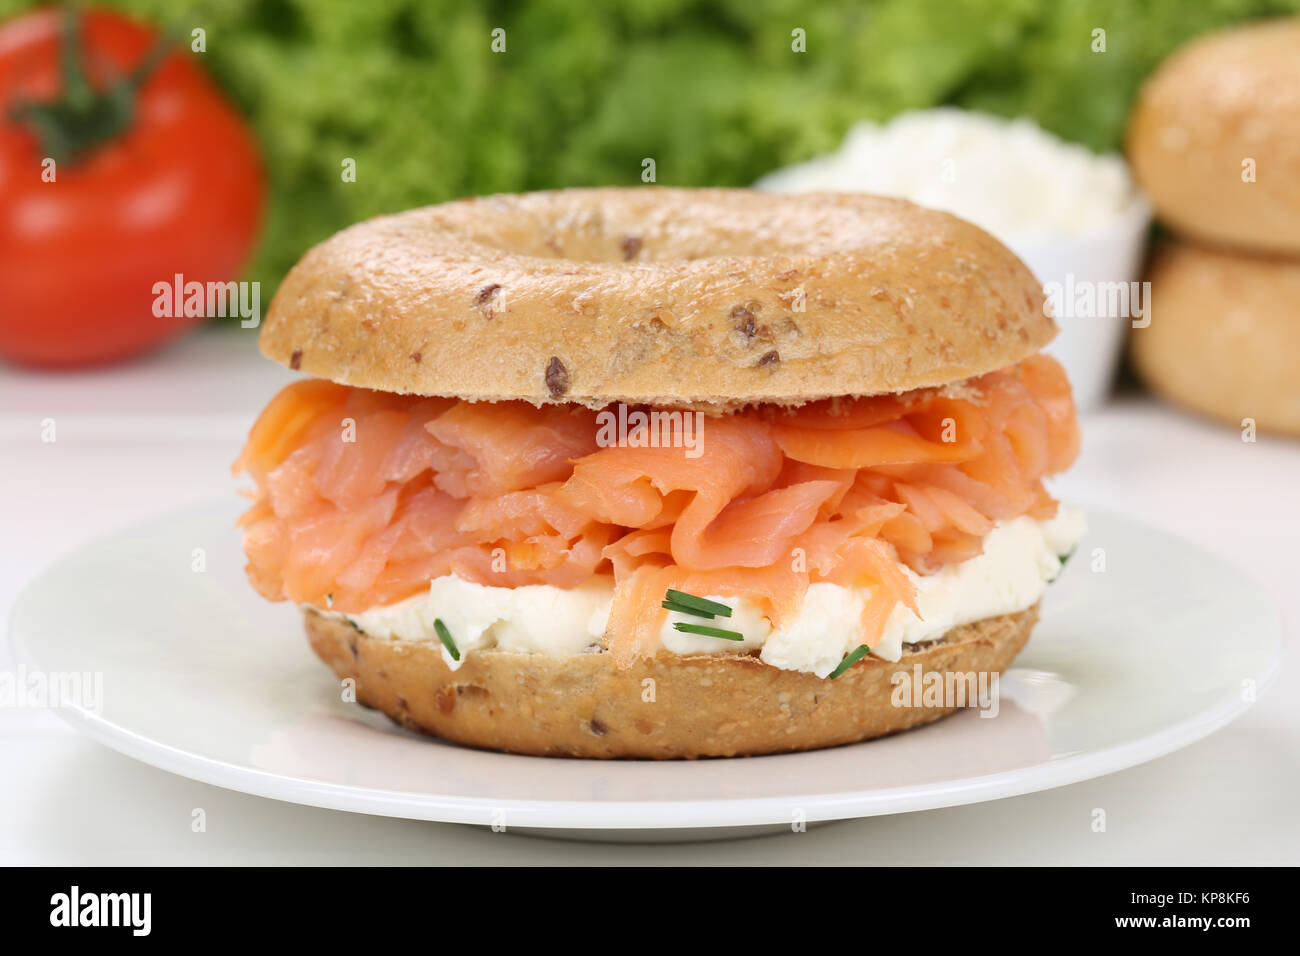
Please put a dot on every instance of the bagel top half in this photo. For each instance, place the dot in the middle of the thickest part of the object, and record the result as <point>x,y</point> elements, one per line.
<point>712,298</point>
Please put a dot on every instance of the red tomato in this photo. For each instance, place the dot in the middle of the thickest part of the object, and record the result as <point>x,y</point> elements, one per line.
<point>171,187</point>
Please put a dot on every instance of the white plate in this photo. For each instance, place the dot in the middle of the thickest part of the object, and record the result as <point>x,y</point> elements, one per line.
<point>202,678</point>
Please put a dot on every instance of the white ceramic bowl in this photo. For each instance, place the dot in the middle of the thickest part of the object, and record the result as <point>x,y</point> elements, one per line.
<point>1089,346</point>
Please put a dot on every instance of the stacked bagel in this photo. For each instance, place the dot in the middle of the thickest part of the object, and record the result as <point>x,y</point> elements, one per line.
<point>1215,142</point>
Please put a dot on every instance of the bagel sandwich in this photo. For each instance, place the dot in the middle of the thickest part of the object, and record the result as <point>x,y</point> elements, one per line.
<point>662,473</point>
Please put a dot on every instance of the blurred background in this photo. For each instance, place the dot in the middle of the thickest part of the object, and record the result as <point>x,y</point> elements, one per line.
<point>321,113</point>
<point>146,141</point>
<point>413,91</point>
<point>218,141</point>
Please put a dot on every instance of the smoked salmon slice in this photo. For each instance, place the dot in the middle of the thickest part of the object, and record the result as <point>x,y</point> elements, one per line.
<point>362,497</point>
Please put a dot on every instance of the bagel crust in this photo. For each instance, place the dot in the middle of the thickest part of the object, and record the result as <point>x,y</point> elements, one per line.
<point>1224,336</point>
<point>583,706</point>
<point>1223,102</point>
<point>706,298</point>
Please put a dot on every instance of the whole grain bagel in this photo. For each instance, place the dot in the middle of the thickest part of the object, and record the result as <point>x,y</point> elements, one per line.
<point>585,706</point>
<point>711,298</point>
<point>1224,335</point>
<point>1221,110</point>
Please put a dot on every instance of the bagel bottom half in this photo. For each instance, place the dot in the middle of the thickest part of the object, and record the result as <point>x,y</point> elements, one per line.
<point>662,707</point>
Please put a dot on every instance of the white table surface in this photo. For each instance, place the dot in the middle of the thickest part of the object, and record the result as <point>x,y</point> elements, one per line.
<point>160,434</point>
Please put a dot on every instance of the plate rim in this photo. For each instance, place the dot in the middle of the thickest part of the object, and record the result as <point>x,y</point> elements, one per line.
<point>670,814</point>
<point>662,814</point>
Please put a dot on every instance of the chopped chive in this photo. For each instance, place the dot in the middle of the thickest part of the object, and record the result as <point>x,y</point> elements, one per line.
<point>850,659</point>
<point>699,603</point>
<point>355,626</point>
<point>1065,558</point>
<point>709,631</point>
<point>445,636</point>
<point>683,609</point>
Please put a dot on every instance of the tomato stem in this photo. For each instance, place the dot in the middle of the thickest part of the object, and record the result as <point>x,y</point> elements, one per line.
<point>76,89</point>
<point>80,118</point>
